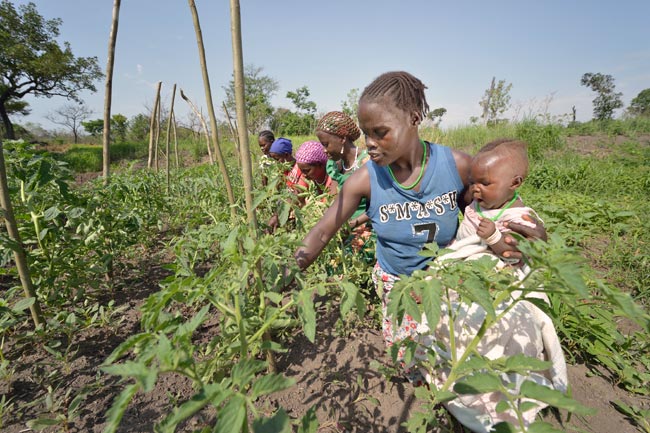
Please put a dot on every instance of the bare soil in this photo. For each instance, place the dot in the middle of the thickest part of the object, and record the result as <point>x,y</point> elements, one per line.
<point>338,375</point>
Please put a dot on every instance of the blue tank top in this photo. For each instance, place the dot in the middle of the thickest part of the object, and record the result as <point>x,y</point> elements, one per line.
<point>405,220</point>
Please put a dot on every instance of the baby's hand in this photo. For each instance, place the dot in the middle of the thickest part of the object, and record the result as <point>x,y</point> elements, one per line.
<point>486,228</point>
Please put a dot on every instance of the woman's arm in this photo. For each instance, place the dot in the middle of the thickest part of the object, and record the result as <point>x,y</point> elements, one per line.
<point>346,202</point>
<point>463,163</point>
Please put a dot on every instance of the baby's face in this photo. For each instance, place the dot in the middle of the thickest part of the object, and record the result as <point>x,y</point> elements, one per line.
<point>491,181</point>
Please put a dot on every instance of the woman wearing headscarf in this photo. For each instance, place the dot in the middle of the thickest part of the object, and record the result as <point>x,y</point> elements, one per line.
<point>337,132</point>
<point>311,159</point>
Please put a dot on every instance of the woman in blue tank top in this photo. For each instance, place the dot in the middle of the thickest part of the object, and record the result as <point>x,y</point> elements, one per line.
<point>415,190</point>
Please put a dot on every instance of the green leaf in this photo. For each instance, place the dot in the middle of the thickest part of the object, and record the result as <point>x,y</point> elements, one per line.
<point>431,301</point>
<point>306,313</point>
<point>189,327</point>
<point>278,423</point>
<point>274,297</point>
<point>350,293</point>
<point>51,213</point>
<point>552,397</point>
<point>309,422</point>
<point>523,363</point>
<point>23,304</point>
<point>244,371</point>
<point>128,344</point>
<point>542,427</point>
<point>42,423</point>
<point>444,396</point>
<point>472,364</point>
<point>478,383</point>
<point>284,213</point>
<point>144,374</point>
<point>502,406</point>
<point>528,405</point>
<point>504,427</point>
<point>231,418</point>
<point>116,412</point>
<point>180,413</point>
<point>269,384</point>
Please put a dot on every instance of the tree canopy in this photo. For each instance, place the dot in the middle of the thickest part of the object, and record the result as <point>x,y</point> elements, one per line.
<point>495,101</point>
<point>640,105</point>
<point>33,62</point>
<point>607,100</point>
<point>259,91</point>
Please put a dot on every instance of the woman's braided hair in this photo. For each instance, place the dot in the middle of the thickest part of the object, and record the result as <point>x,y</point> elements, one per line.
<point>339,124</point>
<point>405,90</point>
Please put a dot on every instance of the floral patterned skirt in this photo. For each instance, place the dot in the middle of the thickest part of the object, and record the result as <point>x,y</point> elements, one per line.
<point>408,329</point>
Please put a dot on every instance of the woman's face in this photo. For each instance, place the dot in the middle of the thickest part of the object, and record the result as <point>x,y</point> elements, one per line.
<point>388,130</point>
<point>333,144</point>
<point>314,172</point>
<point>265,145</point>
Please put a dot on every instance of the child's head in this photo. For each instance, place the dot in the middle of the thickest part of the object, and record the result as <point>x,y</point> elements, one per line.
<point>335,129</point>
<point>311,159</point>
<point>281,149</point>
<point>498,169</point>
<point>265,139</point>
<point>390,110</point>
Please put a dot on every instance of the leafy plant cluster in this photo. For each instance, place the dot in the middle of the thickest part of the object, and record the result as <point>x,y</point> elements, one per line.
<point>229,283</point>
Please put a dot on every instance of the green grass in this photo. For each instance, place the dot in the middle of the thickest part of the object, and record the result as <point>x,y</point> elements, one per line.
<point>83,158</point>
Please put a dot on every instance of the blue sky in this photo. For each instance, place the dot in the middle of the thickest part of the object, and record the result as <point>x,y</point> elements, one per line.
<point>454,47</point>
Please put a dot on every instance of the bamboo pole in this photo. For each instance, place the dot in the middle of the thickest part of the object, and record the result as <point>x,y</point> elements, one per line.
<point>242,128</point>
<point>235,138</point>
<point>151,125</point>
<point>240,103</point>
<point>175,138</point>
<point>157,143</point>
<point>108,97</point>
<point>213,117</point>
<point>169,127</point>
<point>19,251</point>
<point>203,124</point>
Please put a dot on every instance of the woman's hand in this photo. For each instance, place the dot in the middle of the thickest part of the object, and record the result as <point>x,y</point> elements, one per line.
<point>531,233</point>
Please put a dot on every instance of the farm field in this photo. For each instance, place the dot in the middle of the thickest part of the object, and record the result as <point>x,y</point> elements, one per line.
<point>162,307</point>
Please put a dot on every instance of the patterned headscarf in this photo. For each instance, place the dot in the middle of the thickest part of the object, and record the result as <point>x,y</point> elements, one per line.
<point>311,152</point>
<point>340,124</point>
<point>281,145</point>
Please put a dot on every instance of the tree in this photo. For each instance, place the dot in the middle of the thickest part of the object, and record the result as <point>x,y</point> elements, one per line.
<point>607,100</point>
<point>259,91</point>
<point>299,99</point>
<point>351,105</point>
<point>495,101</point>
<point>32,62</point>
<point>119,127</point>
<point>71,116</point>
<point>300,122</point>
<point>640,106</point>
<point>138,128</point>
<point>94,127</point>
<point>436,115</point>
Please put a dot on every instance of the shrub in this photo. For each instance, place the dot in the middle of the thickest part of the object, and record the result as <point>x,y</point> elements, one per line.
<point>540,137</point>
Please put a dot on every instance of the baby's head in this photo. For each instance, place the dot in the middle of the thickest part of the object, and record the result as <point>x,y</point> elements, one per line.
<point>497,170</point>
<point>513,154</point>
